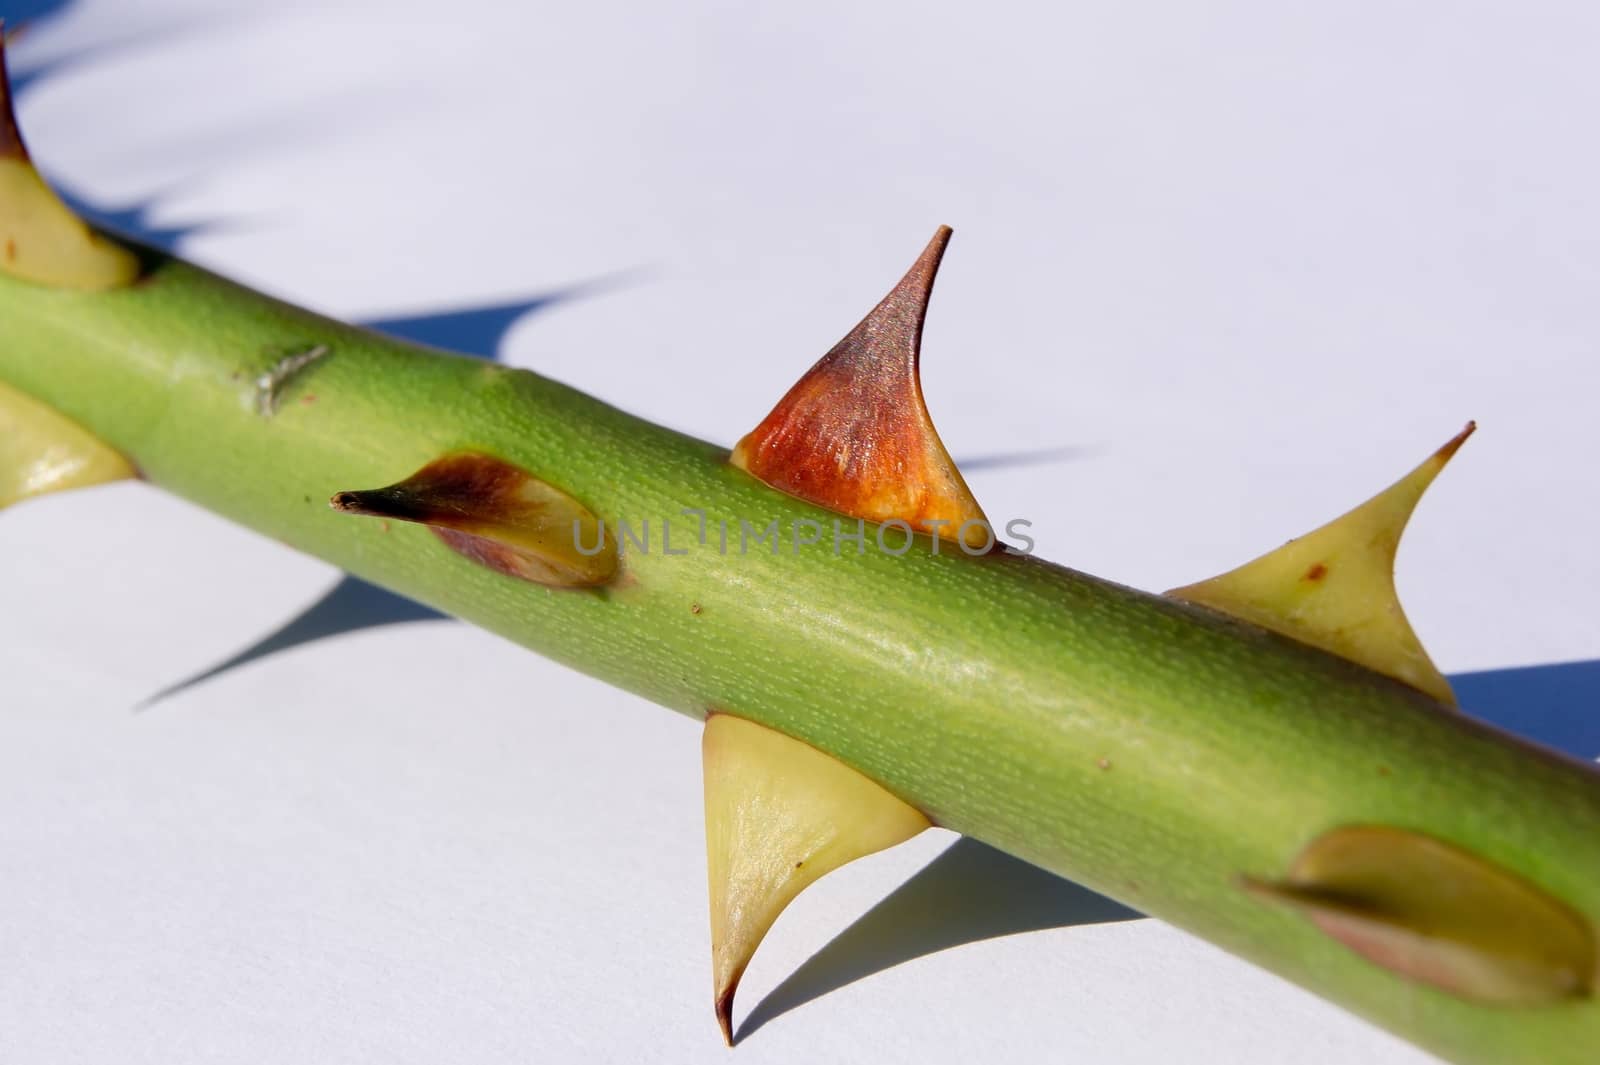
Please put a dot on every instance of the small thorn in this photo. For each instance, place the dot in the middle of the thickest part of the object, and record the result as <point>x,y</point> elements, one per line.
<point>499,516</point>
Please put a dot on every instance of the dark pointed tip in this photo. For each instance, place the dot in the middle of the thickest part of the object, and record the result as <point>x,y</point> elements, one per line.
<point>1454,443</point>
<point>724,1007</point>
<point>11,146</point>
<point>892,332</point>
<point>1263,889</point>
<point>349,502</point>
<point>373,503</point>
<point>918,281</point>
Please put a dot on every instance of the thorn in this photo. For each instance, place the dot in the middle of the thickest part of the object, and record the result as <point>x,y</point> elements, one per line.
<point>1333,588</point>
<point>780,815</point>
<point>499,516</point>
<point>854,434</point>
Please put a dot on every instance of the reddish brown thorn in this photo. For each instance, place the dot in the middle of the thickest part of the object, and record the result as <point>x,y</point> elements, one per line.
<point>854,435</point>
<point>499,516</point>
<point>1453,445</point>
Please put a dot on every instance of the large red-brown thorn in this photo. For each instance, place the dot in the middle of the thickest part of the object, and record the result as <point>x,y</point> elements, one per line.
<point>854,434</point>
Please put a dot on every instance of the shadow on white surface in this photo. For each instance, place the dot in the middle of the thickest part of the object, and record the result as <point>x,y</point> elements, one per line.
<point>20,12</point>
<point>475,331</point>
<point>1042,456</point>
<point>21,16</point>
<point>138,220</point>
<point>970,893</point>
<point>349,606</point>
<point>1557,705</point>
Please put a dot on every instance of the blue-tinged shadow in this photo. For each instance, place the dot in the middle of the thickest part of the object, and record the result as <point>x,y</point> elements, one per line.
<point>971,892</point>
<point>136,221</point>
<point>351,606</point>
<point>22,16</point>
<point>18,13</point>
<point>1005,460</point>
<point>476,331</point>
<point>1556,705</point>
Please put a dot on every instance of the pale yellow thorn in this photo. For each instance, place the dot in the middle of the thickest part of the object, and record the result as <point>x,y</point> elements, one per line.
<point>1334,588</point>
<point>41,239</point>
<point>41,451</point>
<point>779,815</point>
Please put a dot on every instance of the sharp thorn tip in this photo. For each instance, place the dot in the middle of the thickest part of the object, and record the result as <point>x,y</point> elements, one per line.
<point>724,1008</point>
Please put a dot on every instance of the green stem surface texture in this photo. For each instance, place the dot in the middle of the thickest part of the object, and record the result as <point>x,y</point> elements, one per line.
<point>1152,750</point>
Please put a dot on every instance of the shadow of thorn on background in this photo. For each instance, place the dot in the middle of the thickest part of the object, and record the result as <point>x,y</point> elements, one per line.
<point>970,892</point>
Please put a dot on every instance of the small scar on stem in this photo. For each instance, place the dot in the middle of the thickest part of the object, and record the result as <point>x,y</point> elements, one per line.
<point>270,384</point>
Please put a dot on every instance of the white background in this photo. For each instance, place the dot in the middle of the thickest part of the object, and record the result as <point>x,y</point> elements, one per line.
<point>1220,271</point>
